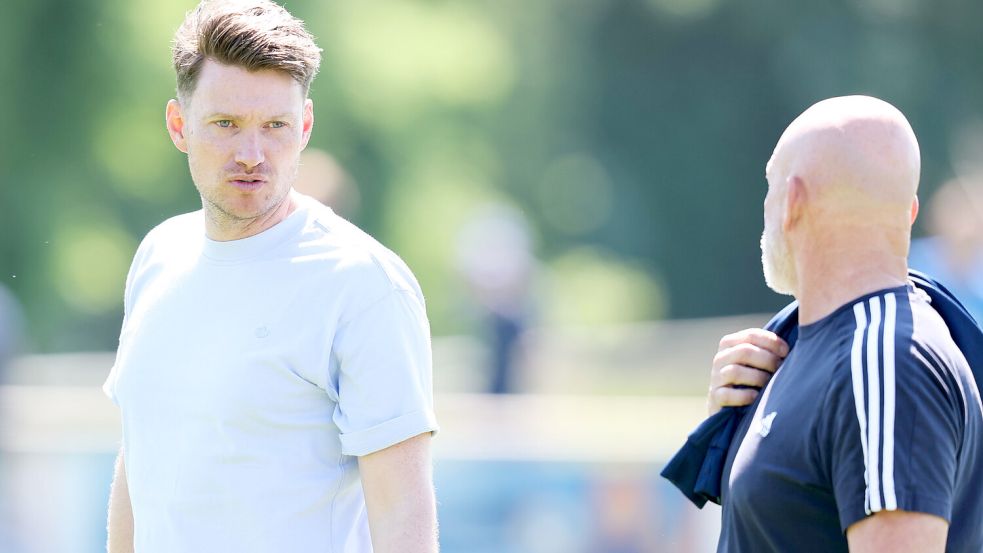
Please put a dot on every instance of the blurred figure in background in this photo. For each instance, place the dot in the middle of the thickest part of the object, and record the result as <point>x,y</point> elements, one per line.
<point>495,256</point>
<point>321,177</point>
<point>953,253</point>
<point>625,515</point>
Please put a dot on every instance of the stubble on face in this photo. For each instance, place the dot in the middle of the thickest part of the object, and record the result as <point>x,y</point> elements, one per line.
<point>271,199</point>
<point>246,130</point>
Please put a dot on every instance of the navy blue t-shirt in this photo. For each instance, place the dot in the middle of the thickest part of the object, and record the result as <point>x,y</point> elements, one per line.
<point>874,409</point>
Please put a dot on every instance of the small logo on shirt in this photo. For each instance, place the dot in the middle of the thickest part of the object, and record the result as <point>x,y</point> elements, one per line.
<point>764,427</point>
<point>262,332</point>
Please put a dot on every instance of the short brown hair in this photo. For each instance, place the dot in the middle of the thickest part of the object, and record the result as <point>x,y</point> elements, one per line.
<point>253,34</point>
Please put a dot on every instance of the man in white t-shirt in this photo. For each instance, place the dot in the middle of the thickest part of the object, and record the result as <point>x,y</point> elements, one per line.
<point>274,368</point>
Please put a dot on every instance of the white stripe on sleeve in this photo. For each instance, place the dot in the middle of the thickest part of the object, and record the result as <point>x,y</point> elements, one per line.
<point>874,406</point>
<point>890,315</point>
<point>857,370</point>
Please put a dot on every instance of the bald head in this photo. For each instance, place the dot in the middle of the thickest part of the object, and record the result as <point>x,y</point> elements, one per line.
<point>854,153</point>
<point>841,192</point>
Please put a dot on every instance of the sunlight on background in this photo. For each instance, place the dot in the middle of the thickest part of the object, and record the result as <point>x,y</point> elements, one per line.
<point>135,153</point>
<point>91,261</point>
<point>395,59</point>
<point>592,287</point>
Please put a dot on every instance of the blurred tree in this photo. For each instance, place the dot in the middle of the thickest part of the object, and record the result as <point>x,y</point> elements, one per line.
<point>636,130</point>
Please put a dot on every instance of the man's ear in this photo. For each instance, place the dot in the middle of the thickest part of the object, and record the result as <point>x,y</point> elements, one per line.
<point>308,122</point>
<point>796,197</point>
<point>175,125</point>
<point>914,210</point>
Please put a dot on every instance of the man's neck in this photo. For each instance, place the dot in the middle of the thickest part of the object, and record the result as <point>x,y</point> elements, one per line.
<point>222,228</point>
<point>827,284</point>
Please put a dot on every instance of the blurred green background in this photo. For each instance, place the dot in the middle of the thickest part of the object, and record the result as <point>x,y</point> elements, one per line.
<point>632,134</point>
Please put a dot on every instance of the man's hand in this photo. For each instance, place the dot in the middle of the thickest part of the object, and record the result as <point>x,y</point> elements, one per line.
<point>399,497</point>
<point>746,358</point>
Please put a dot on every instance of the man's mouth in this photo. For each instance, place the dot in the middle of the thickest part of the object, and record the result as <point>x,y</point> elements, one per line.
<point>247,182</point>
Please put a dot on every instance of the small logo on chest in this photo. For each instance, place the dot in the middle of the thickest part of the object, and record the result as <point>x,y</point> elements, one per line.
<point>764,427</point>
<point>262,332</point>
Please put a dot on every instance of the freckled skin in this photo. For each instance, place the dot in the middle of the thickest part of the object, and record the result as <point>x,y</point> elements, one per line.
<point>247,126</point>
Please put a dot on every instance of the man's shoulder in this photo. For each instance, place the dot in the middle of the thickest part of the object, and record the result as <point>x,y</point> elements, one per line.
<point>915,354</point>
<point>355,254</point>
<point>175,234</point>
<point>886,326</point>
<point>177,228</point>
<point>924,338</point>
<point>894,330</point>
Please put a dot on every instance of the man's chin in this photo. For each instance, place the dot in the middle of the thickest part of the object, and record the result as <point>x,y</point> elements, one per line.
<point>242,209</point>
<point>779,283</point>
<point>779,276</point>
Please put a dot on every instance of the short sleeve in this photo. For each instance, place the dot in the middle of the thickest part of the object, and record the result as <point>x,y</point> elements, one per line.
<point>109,386</point>
<point>384,374</point>
<point>895,434</point>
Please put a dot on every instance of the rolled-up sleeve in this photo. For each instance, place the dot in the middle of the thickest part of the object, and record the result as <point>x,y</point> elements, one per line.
<point>384,374</point>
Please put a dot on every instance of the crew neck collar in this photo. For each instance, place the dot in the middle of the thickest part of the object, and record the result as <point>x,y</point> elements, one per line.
<point>811,329</point>
<point>231,251</point>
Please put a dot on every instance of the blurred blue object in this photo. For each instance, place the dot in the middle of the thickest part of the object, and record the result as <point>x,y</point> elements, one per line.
<point>953,253</point>
<point>931,255</point>
<point>568,507</point>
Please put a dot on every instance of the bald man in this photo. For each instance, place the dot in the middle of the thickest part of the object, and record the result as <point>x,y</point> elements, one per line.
<point>868,437</point>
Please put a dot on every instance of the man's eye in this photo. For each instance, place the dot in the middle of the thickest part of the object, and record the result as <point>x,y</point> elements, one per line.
<point>224,123</point>
<point>277,124</point>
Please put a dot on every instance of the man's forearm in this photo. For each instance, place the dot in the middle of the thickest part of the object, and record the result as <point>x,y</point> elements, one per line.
<point>409,528</point>
<point>399,497</point>
<point>120,527</point>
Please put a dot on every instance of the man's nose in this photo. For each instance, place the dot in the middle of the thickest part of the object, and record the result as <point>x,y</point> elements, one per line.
<point>249,151</point>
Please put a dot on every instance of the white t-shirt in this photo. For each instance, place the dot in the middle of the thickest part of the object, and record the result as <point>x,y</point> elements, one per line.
<point>250,375</point>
